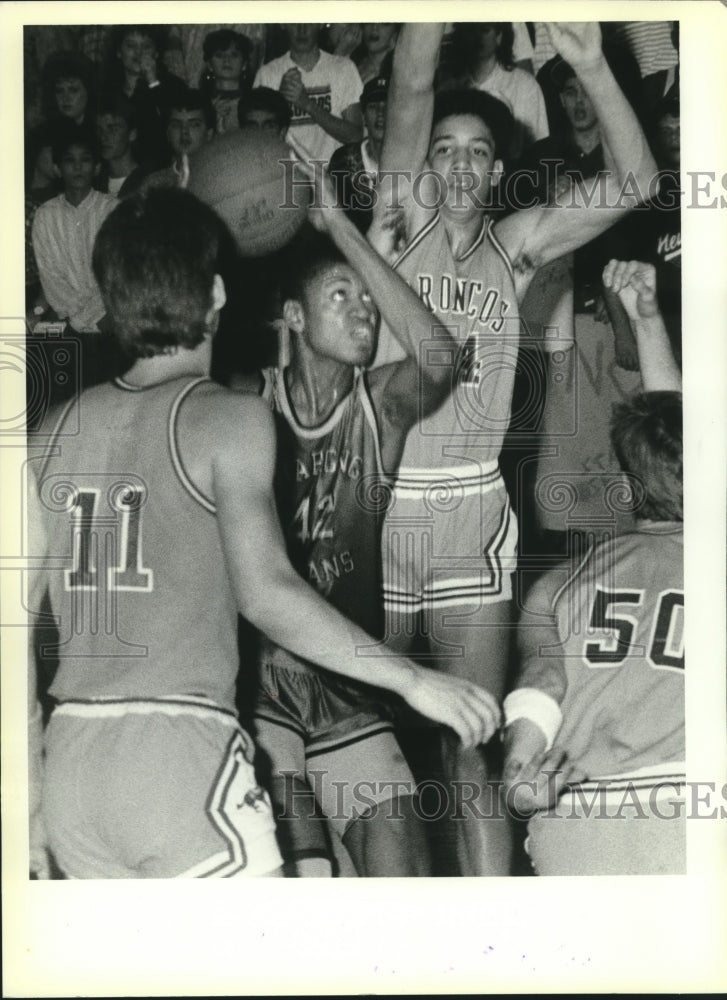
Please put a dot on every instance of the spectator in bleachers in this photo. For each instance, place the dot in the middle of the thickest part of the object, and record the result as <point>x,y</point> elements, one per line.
<point>189,126</point>
<point>322,89</point>
<point>64,230</point>
<point>227,76</point>
<point>377,42</point>
<point>652,45</point>
<point>264,109</point>
<point>119,173</point>
<point>354,167</point>
<point>68,90</point>
<point>136,72</point>
<point>185,48</point>
<point>483,53</point>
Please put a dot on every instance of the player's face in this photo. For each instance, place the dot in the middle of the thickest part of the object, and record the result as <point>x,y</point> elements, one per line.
<point>340,317</point>
<point>114,136</point>
<point>187,131</point>
<point>374,115</point>
<point>71,98</point>
<point>578,107</point>
<point>259,118</point>
<point>133,48</point>
<point>462,150</point>
<point>77,167</point>
<point>378,37</point>
<point>302,37</point>
<point>227,64</point>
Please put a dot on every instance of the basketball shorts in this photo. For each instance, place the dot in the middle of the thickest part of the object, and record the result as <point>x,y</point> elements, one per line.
<point>160,788</point>
<point>613,827</point>
<point>342,732</point>
<point>449,541</point>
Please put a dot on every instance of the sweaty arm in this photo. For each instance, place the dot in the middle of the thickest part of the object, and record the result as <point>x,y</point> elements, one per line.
<point>537,235</point>
<point>272,596</point>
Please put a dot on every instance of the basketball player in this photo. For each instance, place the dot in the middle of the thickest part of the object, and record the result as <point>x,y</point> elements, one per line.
<point>157,526</point>
<point>340,432</point>
<point>450,537</point>
<point>602,652</point>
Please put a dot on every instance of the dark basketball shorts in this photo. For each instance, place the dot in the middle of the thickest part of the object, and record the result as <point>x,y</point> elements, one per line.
<point>160,788</point>
<point>343,732</point>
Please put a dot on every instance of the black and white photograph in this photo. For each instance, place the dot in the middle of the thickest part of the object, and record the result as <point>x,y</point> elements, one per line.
<point>364,431</point>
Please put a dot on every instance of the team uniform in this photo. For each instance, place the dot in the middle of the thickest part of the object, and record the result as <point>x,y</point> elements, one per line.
<point>620,619</point>
<point>148,773</point>
<point>332,495</point>
<point>450,535</point>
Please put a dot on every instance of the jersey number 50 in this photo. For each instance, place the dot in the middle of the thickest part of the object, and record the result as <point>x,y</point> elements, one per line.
<point>666,647</point>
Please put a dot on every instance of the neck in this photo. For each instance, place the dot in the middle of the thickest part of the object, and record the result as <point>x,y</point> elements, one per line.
<point>122,165</point>
<point>461,229</point>
<point>130,81</point>
<point>316,386</point>
<point>164,367</point>
<point>307,59</point>
<point>483,68</point>
<point>373,148</point>
<point>76,197</point>
<point>587,139</point>
<point>221,85</point>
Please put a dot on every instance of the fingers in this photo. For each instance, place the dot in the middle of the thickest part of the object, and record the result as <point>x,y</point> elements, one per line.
<point>619,274</point>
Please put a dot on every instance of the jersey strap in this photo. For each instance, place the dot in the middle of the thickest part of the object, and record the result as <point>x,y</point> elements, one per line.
<point>179,468</point>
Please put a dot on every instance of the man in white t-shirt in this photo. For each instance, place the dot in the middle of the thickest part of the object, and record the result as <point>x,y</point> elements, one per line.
<point>322,89</point>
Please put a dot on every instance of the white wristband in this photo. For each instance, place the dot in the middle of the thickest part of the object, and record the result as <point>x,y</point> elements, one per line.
<point>538,707</point>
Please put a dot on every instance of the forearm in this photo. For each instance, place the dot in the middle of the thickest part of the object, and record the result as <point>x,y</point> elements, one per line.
<point>401,309</point>
<point>659,370</point>
<point>340,129</point>
<point>624,142</point>
<point>313,629</point>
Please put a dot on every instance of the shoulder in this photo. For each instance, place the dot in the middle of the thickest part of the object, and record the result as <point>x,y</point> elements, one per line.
<point>277,65</point>
<point>220,412</point>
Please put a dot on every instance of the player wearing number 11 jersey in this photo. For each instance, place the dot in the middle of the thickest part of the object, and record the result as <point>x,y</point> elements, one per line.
<point>152,524</point>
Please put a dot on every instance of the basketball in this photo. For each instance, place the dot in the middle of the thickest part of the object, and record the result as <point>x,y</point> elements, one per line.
<point>240,176</point>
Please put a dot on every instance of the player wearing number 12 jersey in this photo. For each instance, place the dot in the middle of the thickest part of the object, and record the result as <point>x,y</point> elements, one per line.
<point>152,524</point>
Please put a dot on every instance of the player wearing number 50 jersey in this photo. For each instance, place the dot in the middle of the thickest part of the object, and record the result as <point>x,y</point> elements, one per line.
<point>602,677</point>
<point>152,523</point>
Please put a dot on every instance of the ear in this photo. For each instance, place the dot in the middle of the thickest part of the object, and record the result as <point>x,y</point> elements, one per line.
<point>498,169</point>
<point>219,294</point>
<point>293,315</point>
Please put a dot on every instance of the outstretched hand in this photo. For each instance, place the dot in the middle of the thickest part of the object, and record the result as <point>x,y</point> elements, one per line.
<point>471,711</point>
<point>635,284</point>
<point>578,42</point>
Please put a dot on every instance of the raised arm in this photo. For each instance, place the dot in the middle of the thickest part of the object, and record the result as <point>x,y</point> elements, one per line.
<point>408,125</point>
<point>264,581</point>
<point>403,391</point>
<point>537,235</point>
<point>635,284</point>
